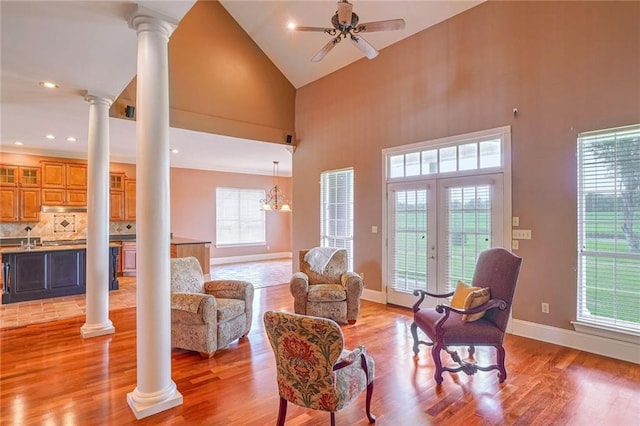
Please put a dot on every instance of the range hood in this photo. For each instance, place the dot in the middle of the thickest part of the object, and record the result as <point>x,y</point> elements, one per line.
<point>63,209</point>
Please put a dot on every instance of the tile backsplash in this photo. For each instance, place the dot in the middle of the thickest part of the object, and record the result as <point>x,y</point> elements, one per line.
<point>63,226</point>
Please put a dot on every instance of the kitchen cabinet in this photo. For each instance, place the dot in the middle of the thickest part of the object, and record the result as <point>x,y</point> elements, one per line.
<point>128,259</point>
<point>184,247</point>
<point>130,199</point>
<point>44,273</point>
<point>20,193</point>
<point>116,197</point>
<point>64,184</point>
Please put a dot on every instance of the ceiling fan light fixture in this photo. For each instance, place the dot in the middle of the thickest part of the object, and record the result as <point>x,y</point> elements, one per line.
<point>344,12</point>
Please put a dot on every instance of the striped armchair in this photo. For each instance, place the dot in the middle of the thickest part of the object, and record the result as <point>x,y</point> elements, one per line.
<point>314,369</point>
<point>206,317</point>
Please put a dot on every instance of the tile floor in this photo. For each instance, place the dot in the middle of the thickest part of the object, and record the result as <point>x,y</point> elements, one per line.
<point>261,274</point>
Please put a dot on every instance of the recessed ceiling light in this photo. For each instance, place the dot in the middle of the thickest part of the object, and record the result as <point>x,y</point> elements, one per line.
<point>50,137</point>
<point>18,143</point>
<point>291,25</point>
<point>48,85</point>
<point>71,139</point>
<point>174,151</point>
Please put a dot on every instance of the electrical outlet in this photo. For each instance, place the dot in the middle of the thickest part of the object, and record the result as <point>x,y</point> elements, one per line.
<point>521,234</point>
<point>545,308</point>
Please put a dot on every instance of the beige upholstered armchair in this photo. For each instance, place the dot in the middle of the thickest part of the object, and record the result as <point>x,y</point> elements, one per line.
<point>206,317</point>
<point>324,287</point>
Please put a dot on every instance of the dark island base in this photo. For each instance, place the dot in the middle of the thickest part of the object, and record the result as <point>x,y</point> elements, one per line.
<point>34,275</point>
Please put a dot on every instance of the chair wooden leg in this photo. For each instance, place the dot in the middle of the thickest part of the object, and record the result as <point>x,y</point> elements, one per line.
<point>502,375</point>
<point>282,412</point>
<point>365,368</point>
<point>435,353</point>
<point>333,419</point>
<point>414,333</point>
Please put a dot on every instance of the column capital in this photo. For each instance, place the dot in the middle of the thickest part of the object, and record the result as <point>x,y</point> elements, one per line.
<point>145,19</point>
<point>95,98</point>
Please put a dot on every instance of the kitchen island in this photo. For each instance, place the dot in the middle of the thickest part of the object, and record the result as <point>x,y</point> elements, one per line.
<point>42,272</point>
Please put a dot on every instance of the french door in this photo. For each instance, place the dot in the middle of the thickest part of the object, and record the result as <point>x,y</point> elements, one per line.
<point>436,230</point>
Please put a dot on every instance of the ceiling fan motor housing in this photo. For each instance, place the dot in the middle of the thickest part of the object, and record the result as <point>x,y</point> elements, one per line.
<point>344,28</point>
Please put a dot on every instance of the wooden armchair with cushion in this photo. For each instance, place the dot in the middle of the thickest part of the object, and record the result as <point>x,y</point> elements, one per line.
<point>327,290</point>
<point>206,317</point>
<point>314,370</point>
<point>477,316</point>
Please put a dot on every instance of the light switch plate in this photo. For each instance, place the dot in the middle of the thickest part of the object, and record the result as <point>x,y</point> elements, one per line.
<point>521,234</point>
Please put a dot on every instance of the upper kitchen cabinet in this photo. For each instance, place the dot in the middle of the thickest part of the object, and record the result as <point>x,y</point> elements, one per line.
<point>116,197</point>
<point>130,199</point>
<point>20,193</point>
<point>64,184</point>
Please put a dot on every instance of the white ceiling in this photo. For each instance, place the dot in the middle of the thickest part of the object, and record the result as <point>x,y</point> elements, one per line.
<point>86,46</point>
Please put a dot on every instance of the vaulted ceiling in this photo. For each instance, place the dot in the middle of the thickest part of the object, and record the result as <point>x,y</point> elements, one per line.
<point>87,46</point>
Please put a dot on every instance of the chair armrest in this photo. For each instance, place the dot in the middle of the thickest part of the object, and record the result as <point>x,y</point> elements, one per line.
<point>299,284</point>
<point>423,294</point>
<point>229,289</point>
<point>493,303</point>
<point>351,282</point>
<point>195,308</point>
<point>349,358</point>
<point>446,309</point>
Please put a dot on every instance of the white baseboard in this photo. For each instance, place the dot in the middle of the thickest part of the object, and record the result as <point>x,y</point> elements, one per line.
<point>374,296</point>
<point>617,349</point>
<point>250,258</point>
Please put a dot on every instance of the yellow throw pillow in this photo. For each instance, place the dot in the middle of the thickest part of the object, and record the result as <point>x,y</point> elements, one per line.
<point>467,297</point>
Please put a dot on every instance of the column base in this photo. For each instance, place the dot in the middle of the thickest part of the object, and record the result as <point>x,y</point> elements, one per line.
<point>94,330</point>
<point>147,405</point>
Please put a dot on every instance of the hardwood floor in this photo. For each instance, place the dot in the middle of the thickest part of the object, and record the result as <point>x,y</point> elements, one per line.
<point>50,375</point>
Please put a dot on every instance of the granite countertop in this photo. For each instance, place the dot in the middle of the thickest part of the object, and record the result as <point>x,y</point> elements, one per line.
<point>184,241</point>
<point>18,249</point>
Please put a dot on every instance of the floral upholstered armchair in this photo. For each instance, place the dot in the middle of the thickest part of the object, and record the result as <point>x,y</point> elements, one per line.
<point>324,287</point>
<point>314,370</point>
<point>206,317</point>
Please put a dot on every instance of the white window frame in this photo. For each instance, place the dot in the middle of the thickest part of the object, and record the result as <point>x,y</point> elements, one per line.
<point>588,175</point>
<point>246,209</point>
<point>329,194</point>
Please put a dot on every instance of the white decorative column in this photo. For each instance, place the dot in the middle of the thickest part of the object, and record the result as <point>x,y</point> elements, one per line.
<point>97,320</point>
<point>155,391</point>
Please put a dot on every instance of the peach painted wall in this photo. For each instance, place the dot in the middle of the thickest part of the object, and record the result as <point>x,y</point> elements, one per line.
<point>568,67</point>
<point>221,82</point>
<point>193,209</point>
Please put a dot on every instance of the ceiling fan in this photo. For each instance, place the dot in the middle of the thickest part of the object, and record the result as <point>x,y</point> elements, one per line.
<point>345,25</point>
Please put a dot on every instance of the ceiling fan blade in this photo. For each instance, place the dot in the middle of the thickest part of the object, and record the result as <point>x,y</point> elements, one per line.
<point>344,12</point>
<point>390,25</point>
<point>327,47</point>
<point>368,50</point>
<point>318,29</point>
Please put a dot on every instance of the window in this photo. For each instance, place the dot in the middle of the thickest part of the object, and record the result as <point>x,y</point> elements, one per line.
<point>239,220</point>
<point>336,211</point>
<point>609,229</point>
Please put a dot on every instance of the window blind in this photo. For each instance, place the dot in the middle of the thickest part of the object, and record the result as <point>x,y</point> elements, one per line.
<point>239,219</point>
<point>609,228</point>
<point>336,211</point>
<point>468,221</point>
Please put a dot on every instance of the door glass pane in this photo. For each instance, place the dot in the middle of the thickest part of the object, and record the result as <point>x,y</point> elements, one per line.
<point>430,162</point>
<point>490,154</point>
<point>413,164</point>
<point>396,166</point>
<point>409,240</point>
<point>469,230</point>
<point>448,159</point>
<point>468,159</point>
